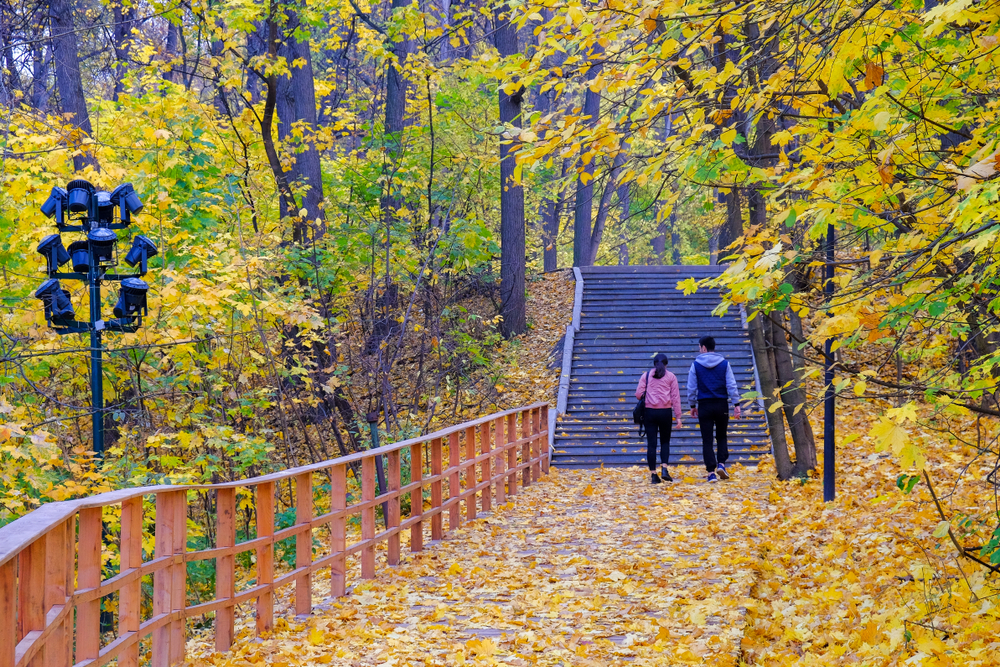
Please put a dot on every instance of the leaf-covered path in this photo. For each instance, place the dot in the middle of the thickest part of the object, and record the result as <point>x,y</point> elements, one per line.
<point>588,567</point>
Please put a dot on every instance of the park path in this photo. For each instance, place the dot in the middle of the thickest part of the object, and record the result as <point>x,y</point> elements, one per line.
<point>588,567</point>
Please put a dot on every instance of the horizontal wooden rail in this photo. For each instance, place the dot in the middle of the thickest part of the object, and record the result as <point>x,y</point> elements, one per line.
<point>51,564</point>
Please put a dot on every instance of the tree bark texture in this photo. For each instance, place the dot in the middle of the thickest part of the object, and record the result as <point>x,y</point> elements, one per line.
<point>625,203</point>
<point>675,240</point>
<point>793,398</point>
<point>124,19</point>
<point>583,208</point>
<point>769,387</point>
<point>604,206</point>
<point>732,228</point>
<point>395,119</point>
<point>512,245</point>
<point>296,105</point>
<point>68,81</point>
<point>659,244</point>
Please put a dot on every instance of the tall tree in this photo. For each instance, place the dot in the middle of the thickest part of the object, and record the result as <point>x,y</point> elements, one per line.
<point>124,16</point>
<point>68,81</point>
<point>395,115</point>
<point>512,247</point>
<point>583,210</point>
<point>296,108</point>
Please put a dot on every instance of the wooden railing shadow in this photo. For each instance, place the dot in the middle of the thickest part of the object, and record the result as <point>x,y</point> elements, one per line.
<point>51,571</point>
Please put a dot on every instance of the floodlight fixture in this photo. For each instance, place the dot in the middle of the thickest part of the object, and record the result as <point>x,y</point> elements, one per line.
<point>57,302</point>
<point>55,205</point>
<point>92,212</point>
<point>102,246</point>
<point>55,254</point>
<point>132,300</point>
<point>80,252</point>
<point>105,209</point>
<point>142,249</point>
<point>79,194</point>
<point>127,200</point>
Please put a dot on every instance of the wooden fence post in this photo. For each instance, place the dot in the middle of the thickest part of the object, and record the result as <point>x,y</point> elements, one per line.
<point>500,458</point>
<point>525,419</point>
<point>225,567</point>
<point>487,465</point>
<point>31,587</point>
<point>130,595</point>
<point>338,530</point>
<point>392,520</point>
<point>88,614</point>
<point>178,579</point>
<point>543,443</point>
<point>368,493</point>
<point>512,454</point>
<point>303,543</point>
<point>417,496</point>
<point>58,648</point>
<point>454,485</point>
<point>437,495</point>
<point>8,620</point>
<point>265,556</point>
<point>470,473</point>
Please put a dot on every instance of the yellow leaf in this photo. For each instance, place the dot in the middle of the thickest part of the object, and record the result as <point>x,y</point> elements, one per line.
<point>941,530</point>
<point>589,491</point>
<point>859,388</point>
<point>316,637</point>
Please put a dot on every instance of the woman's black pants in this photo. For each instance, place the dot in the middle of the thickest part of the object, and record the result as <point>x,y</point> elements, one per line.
<point>658,420</point>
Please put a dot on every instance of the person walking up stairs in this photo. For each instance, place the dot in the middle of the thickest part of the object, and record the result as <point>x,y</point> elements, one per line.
<point>711,388</point>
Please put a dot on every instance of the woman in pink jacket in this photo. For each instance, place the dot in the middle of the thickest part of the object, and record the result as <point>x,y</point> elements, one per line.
<point>663,404</point>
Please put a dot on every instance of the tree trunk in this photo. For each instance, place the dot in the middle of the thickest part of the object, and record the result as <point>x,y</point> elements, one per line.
<point>675,240</point>
<point>124,17</point>
<point>769,387</point>
<point>11,75</point>
<point>68,80</point>
<point>171,47</point>
<point>395,119</point>
<point>512,248</point>
<point>659,243</point>
<point>551,203</point>
<point>583,209</point>
<point>39,72</point>
<point>625,203</point>
<point>604,206</point>
<point>732,229</point>
<point>794,399</point>
<point>296,105</point>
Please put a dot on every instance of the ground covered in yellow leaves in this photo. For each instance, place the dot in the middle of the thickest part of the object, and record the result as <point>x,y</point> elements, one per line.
<point>873,578</point>
<point>586,568</point>
<point>599,567</point>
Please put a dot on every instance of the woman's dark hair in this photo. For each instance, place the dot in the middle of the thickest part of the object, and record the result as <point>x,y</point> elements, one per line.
<point>660,361</point>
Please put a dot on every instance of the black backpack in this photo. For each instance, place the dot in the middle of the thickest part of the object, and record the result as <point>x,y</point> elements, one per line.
<point>639,412</point>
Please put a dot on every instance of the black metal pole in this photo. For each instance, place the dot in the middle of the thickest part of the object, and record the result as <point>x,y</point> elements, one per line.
<point>372,418</point>
<point>96,359</point>
<point>830,398</point>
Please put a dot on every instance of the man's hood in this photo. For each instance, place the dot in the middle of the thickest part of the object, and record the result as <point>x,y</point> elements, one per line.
<point>709,359</point>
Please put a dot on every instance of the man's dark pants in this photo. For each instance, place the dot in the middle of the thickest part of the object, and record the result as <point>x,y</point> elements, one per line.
<point>713,415</point>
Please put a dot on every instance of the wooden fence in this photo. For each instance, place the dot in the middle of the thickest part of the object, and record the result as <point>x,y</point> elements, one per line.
<point>51,559</point>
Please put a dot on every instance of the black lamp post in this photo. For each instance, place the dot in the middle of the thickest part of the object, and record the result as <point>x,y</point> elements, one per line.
<point>81,208</point>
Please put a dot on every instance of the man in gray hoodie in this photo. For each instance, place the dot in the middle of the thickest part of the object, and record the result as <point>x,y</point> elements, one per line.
<point>711,387</point>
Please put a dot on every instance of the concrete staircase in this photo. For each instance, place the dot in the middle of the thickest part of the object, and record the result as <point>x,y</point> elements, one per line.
<point>628,314</point>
